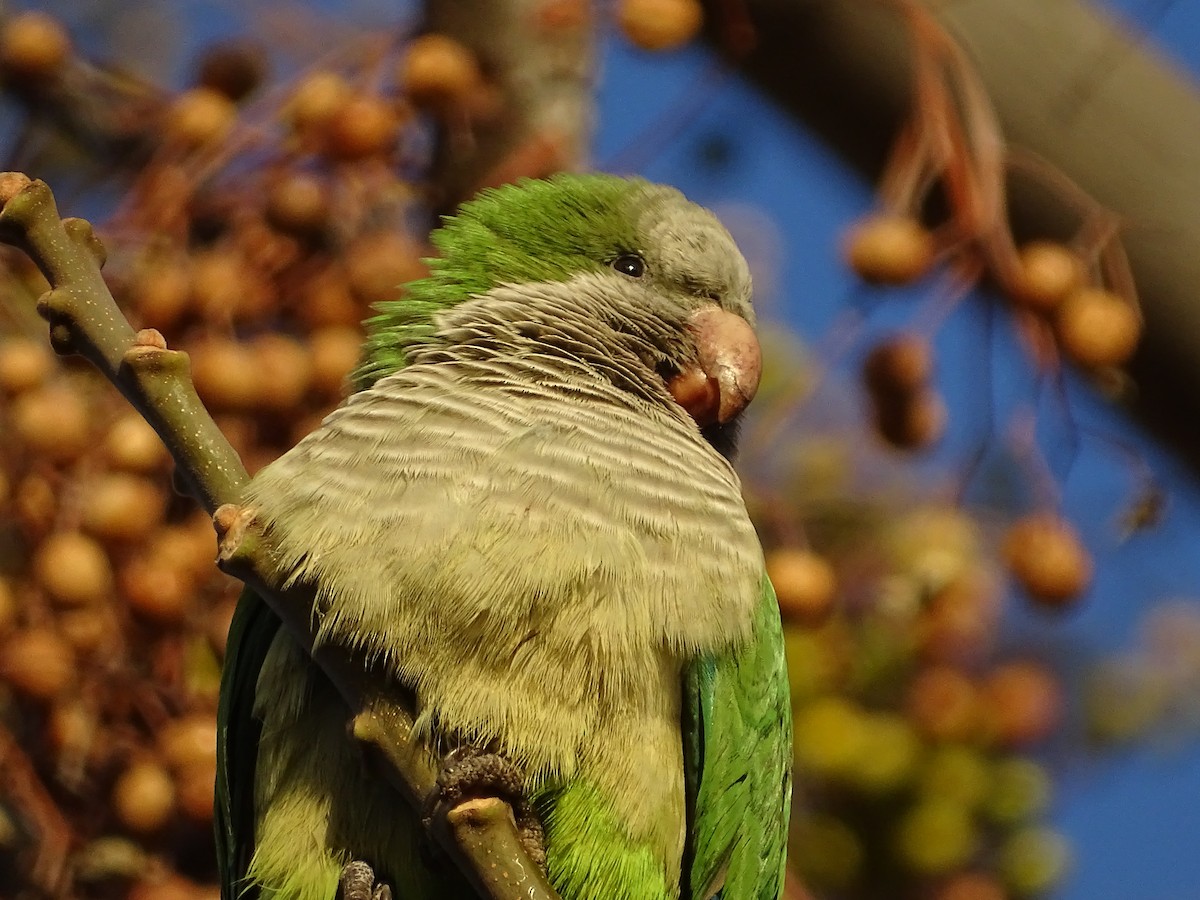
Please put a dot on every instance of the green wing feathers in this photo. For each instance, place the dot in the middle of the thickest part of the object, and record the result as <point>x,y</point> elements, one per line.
<point>738,761</point>
<point>251,633</point>
<point>737,755</point>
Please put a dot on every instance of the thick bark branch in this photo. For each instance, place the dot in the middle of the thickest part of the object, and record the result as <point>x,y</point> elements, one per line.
<point>1070,85</point>
<point>484,829</point>
<point>85,319</point>
<point>539,57</point>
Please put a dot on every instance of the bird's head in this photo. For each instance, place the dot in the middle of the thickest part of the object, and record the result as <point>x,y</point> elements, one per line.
<point>631,265</point>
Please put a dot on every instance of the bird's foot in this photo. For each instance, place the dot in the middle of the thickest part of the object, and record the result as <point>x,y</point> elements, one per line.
<point>357,882</point>
<point>469,774</point>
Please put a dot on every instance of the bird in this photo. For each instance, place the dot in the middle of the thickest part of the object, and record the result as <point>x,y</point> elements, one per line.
<point>525,517</point>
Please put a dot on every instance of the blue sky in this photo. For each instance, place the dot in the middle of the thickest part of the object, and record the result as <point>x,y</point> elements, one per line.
<point>1131,819</point>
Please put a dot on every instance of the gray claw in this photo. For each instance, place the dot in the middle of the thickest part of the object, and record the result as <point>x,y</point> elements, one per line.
<point>357,882</point>
<point>468,773</point>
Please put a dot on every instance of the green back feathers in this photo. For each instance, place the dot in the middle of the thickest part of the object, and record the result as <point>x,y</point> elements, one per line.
<point>530,231</point>
<point>737,746</point>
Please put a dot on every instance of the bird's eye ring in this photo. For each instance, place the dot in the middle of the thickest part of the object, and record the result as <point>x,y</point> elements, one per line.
<point>630,264</point>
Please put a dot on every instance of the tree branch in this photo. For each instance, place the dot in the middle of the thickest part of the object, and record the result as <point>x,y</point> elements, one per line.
<point>538,55</point>
<point>114,115</point>
<point>484,829</point>
<point>85,319</point>
<point>1071,85</point>
<point>20,783</point>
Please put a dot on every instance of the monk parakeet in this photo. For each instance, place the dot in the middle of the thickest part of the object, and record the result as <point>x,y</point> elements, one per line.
<point>525,517</point>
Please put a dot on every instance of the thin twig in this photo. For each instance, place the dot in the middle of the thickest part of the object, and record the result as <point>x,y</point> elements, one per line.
<point>84,319</point>
<point>113,114</point>
<point>20,783</point>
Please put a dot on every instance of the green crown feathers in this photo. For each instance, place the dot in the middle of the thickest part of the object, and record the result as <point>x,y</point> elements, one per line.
<point>530,231</point>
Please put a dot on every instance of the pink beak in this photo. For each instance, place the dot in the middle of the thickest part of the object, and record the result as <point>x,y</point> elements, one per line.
<point>725,376</point>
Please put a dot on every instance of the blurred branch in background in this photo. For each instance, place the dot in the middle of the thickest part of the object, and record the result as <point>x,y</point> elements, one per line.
<point>1068,84</point>
<point>114,116</point>
<point>536,117</point>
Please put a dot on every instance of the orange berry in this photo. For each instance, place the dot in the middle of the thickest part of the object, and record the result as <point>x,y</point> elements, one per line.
<point>226,375</point>
<point>1047,559</point>
<point>335,352</point>
<point>161,292</point>
<point>660,24</point>
<point>169,887</point>
<point>143,797</point>
<point>24,364</point>
<point>1049,273</point>
<point>225,285</point>
<point>914,422</point>
<point>362,126</point>
<point>889,249</point>
<point>121,507</point>
<point>33,45</point>
<point>70,727</point>
<point>298,203</point>
<point>189,741</point>
<point>380,262</point>
<point>900,365</point>
<point>1023,703</point>
<point>437,71</point>
<point>971,886</point>
<point>52,421</point>
<point>959,622</point>
<point>194,786</point>
<point>191,547</point>
<point>805,584</point>
<point>944,704</point>
<point>199,117</point>
<point>89,628</point>
<point>1097,328</point>
<point>157,590</point>
<point>37,662</point>
<point>35,502</point>
<point>73,569</point>
<point>267,251</point>
<point>326,299</point>
<point>283,363</point>
<point>558,16</point>
<point>133,446</point>
<point>316,99</point>
<point>8,606</point>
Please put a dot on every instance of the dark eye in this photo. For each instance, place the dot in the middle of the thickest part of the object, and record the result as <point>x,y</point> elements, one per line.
<point>630,264</point>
